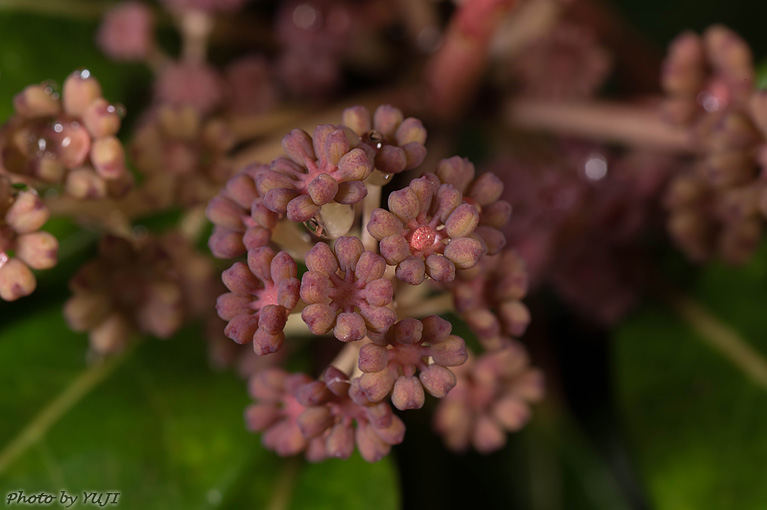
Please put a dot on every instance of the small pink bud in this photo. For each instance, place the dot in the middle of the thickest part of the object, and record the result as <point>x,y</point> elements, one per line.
<point>370,267</point>
<point>321,259</point>
<point>101,119</point>
<point>373,358</point>
<point>383,223</point>
<point>80,90</point>
<point>319,317</point>
<point>407,393</point>
<point>391,159</point>
<point>464,252</point>
<point>437,380</point>
<point>412,270</point>
<point>108,157</point>
<point>351,192</point>
<point>16,280</point>
<point>411,130</point>
<point>450,353</point>
<point>457,171</point>
<point>354,166</point>
<point>27,214</point>
<point>37,249</point>
<point>36,101</point>
<point>350,327</point>
<point>302,209</point>
<point>486,189</point>
<point>462,221</point>
<point>340,441</point>
<point>357,118</point>
<point>86,184</point>
<point>298,146</point>
<point>314,421</point>
<point>386,120</point>
<point>376,385</point>
<point>404,204</point>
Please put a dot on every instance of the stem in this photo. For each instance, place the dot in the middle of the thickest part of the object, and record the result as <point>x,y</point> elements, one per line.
<point>720,336</point>
<point>421,22</point>
<point>465,48</point>
<point>193,223</point>
<point>195,27</point>
<point>530,21</point>
<point>247,127</point>
<point>283,489</point>
<point>369,204</point>
<point>607,122</point>
<point>434,306</point>
<point>59,406</point>
<point>346,360</point>
<point>296,326</point>
<point>288,236</point>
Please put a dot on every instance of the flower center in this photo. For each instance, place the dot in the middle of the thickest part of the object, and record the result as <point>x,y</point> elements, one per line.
<point>422,238</point>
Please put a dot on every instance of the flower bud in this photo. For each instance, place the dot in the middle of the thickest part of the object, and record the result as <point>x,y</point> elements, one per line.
<point>27,214</point>
<point>464,252</point>
<point>319,317</point>
<point>373,358</point>
<point>322,189</point>
<point>16,280</point>
<point>314,421</point>
<point>108,157</point>
<point>412,270</point>
<point>357,118</point>
<point>451,352</point>
<point>351,192</point>
<point>37,249</point>
<point>321,259</point>
<point>302,209</point>
<point>354,166</point>
<point>79,92</point>
<point>386,120</point>
<point>391,159</point>
<point>437,380</point>
<point>101,119</point>
<point>383,223</point>
<point>340,441</point>
<point>407,393</point>
<point>298,146</point>
<point>462,221</point>
<point>350,327</point>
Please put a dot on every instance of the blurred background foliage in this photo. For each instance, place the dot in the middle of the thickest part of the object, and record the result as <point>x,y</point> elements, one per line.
<point>646,416</point>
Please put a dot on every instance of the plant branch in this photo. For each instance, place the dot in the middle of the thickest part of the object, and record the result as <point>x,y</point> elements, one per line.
<point>720,336</point>
<point>283,489</point>
<point>603,121</point>
<point>72,394</point>
<point>434,306</point>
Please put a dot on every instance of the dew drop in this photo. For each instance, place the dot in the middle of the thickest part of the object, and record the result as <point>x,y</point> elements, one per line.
<point>595,167</point>
<point>307,17</point>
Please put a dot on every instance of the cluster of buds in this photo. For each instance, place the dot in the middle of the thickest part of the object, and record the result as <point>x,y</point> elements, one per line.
<point>182,154</point>
<point>22,246</point>
<point>325,418</point>
<point>143,286</point>
<point>492,396</point>
<point>577,220</point>
<point>567,63</point>
<point>714,206</point>
<point>66,138</point>
<point>440,227</point>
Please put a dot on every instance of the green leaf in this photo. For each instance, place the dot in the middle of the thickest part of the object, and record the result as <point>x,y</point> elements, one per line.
<point>698,422</point>
<point>160,428</point>
<point>40,48</point>
<point>350,484</point>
